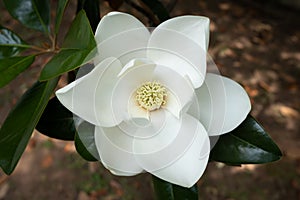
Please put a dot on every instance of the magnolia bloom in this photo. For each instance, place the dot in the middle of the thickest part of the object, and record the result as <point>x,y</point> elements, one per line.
<point>150,101</point>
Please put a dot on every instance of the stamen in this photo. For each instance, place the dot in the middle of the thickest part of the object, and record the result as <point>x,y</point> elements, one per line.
<point>151,95</point>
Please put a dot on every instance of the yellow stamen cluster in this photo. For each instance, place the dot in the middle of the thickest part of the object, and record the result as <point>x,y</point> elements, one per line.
<point>151,95</point>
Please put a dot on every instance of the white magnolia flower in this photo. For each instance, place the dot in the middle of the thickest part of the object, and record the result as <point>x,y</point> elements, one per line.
<point>150,100</point>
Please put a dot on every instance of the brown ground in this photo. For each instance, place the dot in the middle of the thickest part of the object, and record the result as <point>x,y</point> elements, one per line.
<point>256,46</point>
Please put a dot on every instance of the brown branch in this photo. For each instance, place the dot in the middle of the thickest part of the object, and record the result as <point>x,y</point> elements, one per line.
<point>170,6</point>
<point>153,20</point>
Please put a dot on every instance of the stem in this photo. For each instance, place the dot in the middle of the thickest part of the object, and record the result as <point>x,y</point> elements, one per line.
<point>157,8</point>
<point>153,20</point>
<point>170,6</point>
<point>53,42</point>
<point>36,48</point>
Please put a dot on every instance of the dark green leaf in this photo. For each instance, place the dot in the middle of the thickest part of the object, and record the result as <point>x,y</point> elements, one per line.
<point>66,60</point>
<point>85,145</point>
<point>77,46</point>
<point>61,5</point>
<point>57,121</point>
<point>247,144</point>
<point>80,34</point>
<point>163,190</point>
<point>158,9</point>
<point>167,191</point>
<point>19,125</point>
<point>10,68</point>
<point>91,7</point>
<point>34,14</point>
<point>182,193</point>
<point>10,43</point>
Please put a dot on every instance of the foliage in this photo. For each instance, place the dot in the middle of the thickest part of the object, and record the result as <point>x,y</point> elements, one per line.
<point>249,143</point>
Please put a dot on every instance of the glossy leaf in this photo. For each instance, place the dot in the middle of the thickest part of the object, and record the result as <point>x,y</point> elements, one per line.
<point>10,68</point>
<point>80,34</point>
<point>163,190</point>
<point>158,9</point>
<point>247,144</point>
<point>85,142</point>
<point>82,151</point>
<point>34,14</point>
<point>19,125</point>
<point>10,43</point>
<point>66,60</point>
<point>167,191</point>
<point>185,193</point>
<point>61,5</point>
<point>57,121</point>
<point>92,9</point>
<point>78,44</point>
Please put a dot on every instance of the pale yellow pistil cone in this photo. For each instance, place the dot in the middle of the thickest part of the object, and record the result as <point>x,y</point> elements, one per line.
<point>151,95</point>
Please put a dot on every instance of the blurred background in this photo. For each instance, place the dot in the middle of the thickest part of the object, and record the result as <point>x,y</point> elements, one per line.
<point>256,43</point>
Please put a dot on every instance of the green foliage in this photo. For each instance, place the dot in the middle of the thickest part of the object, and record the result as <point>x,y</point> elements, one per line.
<point>247,144</point>
<point>78,44</point>
<point>57,121</point>
<point>11,67</point>
<point>34,14</point>
<point>10,43</point>
<point>81,149</point>
<point>80,35</point>
<point>19,125</point>
<point>66,60</point>
<point>61,6</point>
<point>85,143</point>
<point>167,191</point>
<point>91,7</point>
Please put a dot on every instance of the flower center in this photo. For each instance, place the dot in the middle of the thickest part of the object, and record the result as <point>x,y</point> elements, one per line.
<point>151,95</point>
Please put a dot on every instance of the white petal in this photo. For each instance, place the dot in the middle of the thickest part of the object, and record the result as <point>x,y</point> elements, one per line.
<point>118,172</point>
<point>89,97</point>
<point>189,156</point>
<point>160,133</point>
<point>180,89</point>
<point>194,27</point>
<point>135,63</point>
<point>136,112</point>
<point>173,104</point>
<point>180,159</point>
<point>113,156</point>
<point>181,44</point>
<point>222,104</point>
<point>120,35</point>
<point>129,81</point>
